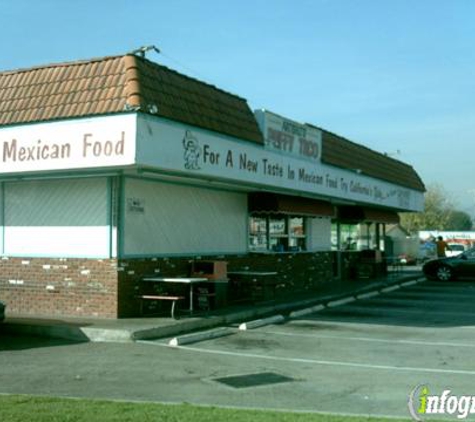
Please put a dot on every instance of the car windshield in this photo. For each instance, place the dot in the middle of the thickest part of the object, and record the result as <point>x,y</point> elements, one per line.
<point>460,248</point>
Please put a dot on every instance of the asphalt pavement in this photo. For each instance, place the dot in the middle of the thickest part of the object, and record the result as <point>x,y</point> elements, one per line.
<point>361,357</point>
<point>132,329</point>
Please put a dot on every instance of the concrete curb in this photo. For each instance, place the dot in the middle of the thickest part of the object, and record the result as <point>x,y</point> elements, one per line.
<point>368,295</point>
<point>267,313</point>
<point>261,322</point>
<point>306,311</point>
<point>201,336</point>
<point>339,302</point>
<point>411,283</point>
<point>390,289</point>
<point>107,335</point>
<point>175,330</point>
<point>87,331</point>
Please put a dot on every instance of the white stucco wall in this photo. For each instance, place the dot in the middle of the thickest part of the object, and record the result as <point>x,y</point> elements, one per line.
<point>56,218</point>
<point>173,219</point>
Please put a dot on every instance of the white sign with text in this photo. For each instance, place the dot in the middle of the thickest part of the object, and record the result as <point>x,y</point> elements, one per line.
<point>182,149</point>
<point>288,137</point>
<point>149,141</point>
<point>70,144</point>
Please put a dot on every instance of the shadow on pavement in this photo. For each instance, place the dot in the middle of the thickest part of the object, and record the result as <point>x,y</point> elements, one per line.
<point>10,342</point>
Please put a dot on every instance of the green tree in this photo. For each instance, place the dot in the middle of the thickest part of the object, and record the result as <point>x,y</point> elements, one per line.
<point>459,221</point>
<point>437,214</point>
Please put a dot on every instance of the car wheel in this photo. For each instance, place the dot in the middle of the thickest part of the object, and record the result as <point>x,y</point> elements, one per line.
<point>444,273</point>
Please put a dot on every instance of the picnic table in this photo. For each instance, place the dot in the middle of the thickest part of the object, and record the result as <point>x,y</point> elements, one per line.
<point>173,298</point>
<point>253,284</point>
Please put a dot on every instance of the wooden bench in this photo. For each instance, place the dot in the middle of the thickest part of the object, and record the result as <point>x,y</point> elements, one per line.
<point>174,300</point>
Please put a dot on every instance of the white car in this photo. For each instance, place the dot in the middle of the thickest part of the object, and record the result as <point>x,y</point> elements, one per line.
<point>455,249</point>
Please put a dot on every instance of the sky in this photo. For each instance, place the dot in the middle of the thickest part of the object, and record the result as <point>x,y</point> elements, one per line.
<point>397,76</point>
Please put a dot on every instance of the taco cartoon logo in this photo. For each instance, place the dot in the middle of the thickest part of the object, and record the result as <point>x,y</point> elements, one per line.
<point>192,151</point>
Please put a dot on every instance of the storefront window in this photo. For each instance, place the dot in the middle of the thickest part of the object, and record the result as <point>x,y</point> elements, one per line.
<point>258,239</point>
<point>277,233</point>
<point>357,237</point>
<point>349,237</point>
<point>297,234</point>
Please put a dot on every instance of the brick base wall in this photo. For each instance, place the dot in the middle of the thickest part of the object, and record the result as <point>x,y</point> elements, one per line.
<point>297,273</point>
<point>107,288</point>
<point>59,287</point>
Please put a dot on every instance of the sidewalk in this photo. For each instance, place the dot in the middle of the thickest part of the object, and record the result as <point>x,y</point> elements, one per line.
<point>126,330</point>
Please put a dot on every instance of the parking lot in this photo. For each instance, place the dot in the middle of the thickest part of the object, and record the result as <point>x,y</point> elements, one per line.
<point>364,357</point>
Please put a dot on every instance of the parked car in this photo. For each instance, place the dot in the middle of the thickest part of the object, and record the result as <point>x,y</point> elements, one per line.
<point>2,311</point>
<point>451,268</point>
<point>455,249</point>
<point>406,259</point>
<point>427,250</point>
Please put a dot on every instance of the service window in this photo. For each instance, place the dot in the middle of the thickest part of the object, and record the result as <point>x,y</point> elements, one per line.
<point>277,233</point>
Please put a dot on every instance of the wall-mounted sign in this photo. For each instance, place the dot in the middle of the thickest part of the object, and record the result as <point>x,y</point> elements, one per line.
<point>290,164</point>
<point>70,144</point>
<point>289,137</point>
<point>178,148</point>
<point>136,205</point>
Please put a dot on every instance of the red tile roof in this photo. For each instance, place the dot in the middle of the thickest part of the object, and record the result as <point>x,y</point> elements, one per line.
<point>340,152</point>
<point>122,83</point>
<point>117,84</point>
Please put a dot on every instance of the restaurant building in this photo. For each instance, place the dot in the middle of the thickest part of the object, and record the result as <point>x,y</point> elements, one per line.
<point>116,168</point>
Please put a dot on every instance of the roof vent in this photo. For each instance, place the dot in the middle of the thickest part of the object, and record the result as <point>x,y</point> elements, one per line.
<point>141,51</point>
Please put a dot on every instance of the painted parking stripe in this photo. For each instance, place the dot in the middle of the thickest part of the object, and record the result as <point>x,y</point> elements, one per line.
<point>329,362</point>
<point>369,339</point>
<point>330,324</point>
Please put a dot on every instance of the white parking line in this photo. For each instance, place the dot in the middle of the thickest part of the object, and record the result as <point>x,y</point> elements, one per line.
<point>369,339</point>
<point>328,362</point>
